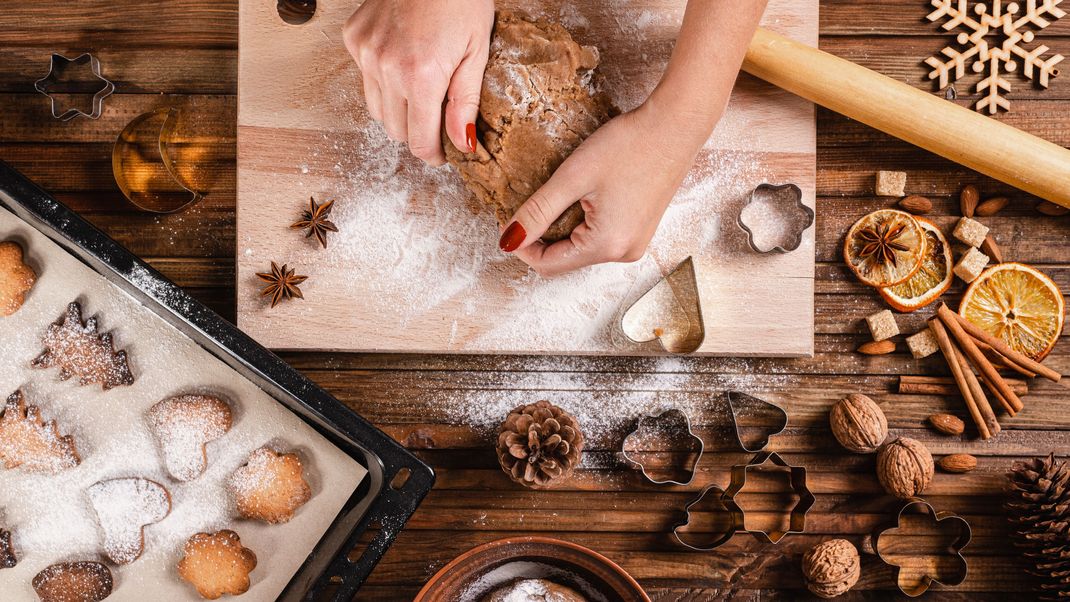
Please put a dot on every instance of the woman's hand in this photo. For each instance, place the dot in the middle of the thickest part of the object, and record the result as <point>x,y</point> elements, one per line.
<point>624,176</point>
<point>413,54</point>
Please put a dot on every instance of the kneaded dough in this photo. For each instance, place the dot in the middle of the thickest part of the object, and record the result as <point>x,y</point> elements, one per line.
<point>534,590</point>
<point>539,102</point>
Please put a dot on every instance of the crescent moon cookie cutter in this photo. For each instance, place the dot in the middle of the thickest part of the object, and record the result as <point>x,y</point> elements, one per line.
<point>132,164</point>
<point>913,576</point>
<point>794,216</point>
<point>669,427</point>
<point>55,83</point>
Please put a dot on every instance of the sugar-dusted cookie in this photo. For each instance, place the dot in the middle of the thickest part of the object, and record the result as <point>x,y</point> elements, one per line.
<point>182,426</point>
<point>16,278</point>
<point>270,486</point>
<point>124,507</point>
<point>7,551</point>
<point>29,442</point>
<point>217,564</point>
<point>79,351</point>
<point>82,581</point>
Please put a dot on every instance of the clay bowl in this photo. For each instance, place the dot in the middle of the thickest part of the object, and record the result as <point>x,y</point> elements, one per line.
<point>484,568</point>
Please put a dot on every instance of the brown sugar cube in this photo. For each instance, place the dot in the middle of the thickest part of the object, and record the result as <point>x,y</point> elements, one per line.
<point>970,231</point>
<point>882,325</point>
<point>922,344</point>
<point>971,264</point>
<point>891,183</point>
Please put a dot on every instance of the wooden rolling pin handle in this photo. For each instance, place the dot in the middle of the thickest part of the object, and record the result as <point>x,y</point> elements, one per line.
<point>957,133</point>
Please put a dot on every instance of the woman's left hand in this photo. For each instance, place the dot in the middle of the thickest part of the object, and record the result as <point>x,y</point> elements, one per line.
<point>624,176</point>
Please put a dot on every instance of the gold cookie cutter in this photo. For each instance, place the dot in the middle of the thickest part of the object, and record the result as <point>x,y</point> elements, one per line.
<point>149,166</point>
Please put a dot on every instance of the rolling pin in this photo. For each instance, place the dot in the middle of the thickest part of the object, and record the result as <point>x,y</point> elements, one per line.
<point>949,130</point>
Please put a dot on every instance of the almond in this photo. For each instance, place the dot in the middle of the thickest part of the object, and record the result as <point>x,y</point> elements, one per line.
<point>957,463</point>
<point>947,424</point>
<point>968,199</point>
<point>990,248</point>
<point>1051,209</point>
<point>918,205</point>
<point>991,206</point>
<point>877,347</point>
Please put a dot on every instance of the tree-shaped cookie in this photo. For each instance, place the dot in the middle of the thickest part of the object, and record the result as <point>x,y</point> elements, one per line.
<point>217,564</point>
<point>270,486</point>
<point>27,441</point>
<point>124,507</point>
<point>77,349</point>
<point>7,551</point>
<point>182,426</point>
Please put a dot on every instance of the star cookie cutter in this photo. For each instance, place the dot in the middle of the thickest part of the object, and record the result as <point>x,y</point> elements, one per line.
<point>737,515</point>
<point>936,563</point>
<point>669,312</point>
<point>736,404</point>
<point>54,84</point>
<point>783,194</point>
<point>140,168</point>
<point>669,427</point>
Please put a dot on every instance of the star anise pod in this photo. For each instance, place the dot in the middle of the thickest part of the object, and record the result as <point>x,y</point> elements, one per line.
<point>282,284</point>
<point>314,219</point>
<point>881,243</point>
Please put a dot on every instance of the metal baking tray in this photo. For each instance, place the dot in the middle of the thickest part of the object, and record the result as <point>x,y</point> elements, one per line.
<point>335,569</point>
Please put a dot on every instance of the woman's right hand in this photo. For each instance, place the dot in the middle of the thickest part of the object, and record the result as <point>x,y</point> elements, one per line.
<point>413,55</point>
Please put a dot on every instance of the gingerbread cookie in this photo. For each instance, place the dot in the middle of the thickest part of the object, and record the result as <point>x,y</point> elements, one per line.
<point>7,551</point>
<point>29,442</point>
<point>124,507</point>
<point>270,487</point>
<point>79,351</point>
<point>81,581</point>
<point>16,278</point>
<point>217,564</point>
<point>182,426</point>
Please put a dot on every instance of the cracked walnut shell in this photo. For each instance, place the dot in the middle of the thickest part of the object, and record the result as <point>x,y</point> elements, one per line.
<point>831,568</point>
<point>904,467</point>
<point>858,423</point>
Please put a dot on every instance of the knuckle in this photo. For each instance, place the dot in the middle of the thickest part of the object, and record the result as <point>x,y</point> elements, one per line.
<point>538,209</point>
<point>423,150</point>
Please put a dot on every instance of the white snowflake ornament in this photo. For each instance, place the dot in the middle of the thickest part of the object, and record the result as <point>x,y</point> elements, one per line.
<point>1009,31</point>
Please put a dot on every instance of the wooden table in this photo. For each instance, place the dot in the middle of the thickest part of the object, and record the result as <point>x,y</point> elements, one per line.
<point>185,51</point>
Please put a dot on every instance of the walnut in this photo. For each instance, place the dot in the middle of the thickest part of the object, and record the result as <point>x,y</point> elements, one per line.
<point>831,568</point>
<point>904,467</point>
<point>858,423</point>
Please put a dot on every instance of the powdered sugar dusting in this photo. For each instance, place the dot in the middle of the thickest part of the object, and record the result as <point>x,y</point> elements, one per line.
<point>123,508</point>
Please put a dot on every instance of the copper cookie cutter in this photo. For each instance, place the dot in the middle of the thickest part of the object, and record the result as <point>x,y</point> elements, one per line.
<point>669,312</point>
<point>57,67</point>
<point>913,576</point>
<point>786,197</point>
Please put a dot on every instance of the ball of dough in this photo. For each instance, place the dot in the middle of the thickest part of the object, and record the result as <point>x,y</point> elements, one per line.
<point>534,590</point>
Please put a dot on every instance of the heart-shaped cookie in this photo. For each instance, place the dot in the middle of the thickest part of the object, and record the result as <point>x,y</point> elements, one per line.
<point>124,507</point>
<point>83,581</point>
<point>182,426</point>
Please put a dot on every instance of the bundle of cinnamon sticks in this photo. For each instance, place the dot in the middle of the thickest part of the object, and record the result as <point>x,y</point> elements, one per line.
<point>965,348</point>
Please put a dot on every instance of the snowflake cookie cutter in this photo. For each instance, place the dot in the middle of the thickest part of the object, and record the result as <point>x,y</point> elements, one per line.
<point>736,404</point>
<point>786,197</point>
<point>669,312</point>
<point>670,427</point>
<point>54,84</point>
<point>913,576</point>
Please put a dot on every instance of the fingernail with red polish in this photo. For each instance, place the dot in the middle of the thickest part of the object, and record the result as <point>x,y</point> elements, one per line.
<point>512,237</point>
<point>470,137</point>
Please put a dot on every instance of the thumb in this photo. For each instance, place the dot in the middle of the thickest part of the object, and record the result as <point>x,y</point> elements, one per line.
<point>463,105</point>
<point>538,213</point>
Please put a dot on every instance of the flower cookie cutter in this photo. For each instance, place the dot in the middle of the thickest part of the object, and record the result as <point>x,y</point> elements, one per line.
<point>941,563</point>
<point>669,312</point>
<point>56,83</point>
<point>671,426</point>
<point>782,194</point>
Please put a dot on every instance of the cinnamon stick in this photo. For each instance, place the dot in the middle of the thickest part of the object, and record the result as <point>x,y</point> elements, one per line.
<point>978,395</point>
<point>948,350</point>
<point>943,385</point>
<point>978,359</point>
<point>996,343</point>
<point>1000,360</point>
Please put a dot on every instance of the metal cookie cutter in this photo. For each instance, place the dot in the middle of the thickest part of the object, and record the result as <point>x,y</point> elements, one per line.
<point>670,425</point>
<point>58,66</point>
<point>725,506</point>
<point>787,197</point>
<point>736,403</point>
<point>669,312</point>
<point>912,565</point>
<point>148,163</point>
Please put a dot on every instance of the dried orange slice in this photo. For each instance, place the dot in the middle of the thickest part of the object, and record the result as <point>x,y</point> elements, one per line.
<point>932,278</point>
<point>885,248</point>
<point>1018,304</point>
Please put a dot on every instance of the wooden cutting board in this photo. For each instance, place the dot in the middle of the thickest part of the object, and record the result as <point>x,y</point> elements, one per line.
<point>416,268</point>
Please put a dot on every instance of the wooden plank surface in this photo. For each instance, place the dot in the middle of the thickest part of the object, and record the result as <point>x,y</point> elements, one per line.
<point>445,407</point>
<point>415,267</point>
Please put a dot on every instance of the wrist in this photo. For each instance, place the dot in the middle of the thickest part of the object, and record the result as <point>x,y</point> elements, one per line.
<point>679,117</point>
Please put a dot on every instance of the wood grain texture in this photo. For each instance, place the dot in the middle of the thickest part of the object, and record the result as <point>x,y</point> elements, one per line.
<point>607,507</point>
<point>303,131</point>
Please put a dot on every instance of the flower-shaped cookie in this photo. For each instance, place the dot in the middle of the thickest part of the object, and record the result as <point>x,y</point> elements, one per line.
<point>270,487</point>
<point>16,278</point>
<point>217,564</point>
<point>925,546</point>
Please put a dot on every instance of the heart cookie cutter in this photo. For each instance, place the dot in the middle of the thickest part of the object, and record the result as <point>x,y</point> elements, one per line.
<point>912,569</point>
<point>780,194</point>
<point>669,312</point>
<point>57,67</point>
<point>669,426</point>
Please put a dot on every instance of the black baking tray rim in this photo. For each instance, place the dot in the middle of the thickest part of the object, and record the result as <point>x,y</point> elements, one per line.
<point>385,499</point>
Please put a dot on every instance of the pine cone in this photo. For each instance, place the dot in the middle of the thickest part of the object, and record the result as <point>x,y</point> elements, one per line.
<point>539,443</point>
<point>1039,511</point>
